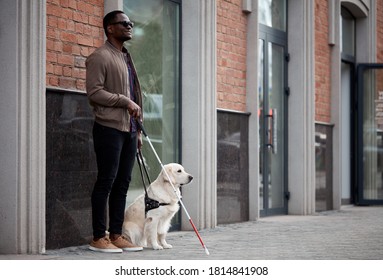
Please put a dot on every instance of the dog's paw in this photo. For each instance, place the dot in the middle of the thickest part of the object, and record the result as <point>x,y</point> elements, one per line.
<point>158,247</point>
<point>167,246</point>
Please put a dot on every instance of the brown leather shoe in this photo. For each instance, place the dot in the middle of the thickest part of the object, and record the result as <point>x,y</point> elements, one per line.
<point>123,243</point>
<point>104,245</point>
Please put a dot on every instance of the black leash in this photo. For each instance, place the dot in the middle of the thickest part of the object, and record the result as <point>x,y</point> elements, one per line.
<point>149,202</point>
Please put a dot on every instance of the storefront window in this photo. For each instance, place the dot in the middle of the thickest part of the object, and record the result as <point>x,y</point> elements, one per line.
<point>373,134</point>
<point>155,49</point>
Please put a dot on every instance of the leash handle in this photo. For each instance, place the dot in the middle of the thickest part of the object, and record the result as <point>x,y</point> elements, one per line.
<point>141,127</point>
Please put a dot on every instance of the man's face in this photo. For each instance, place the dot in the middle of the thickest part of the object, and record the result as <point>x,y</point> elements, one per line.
<point>120,29</point>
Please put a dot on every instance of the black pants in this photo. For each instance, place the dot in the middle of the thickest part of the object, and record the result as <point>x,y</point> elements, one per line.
<point>115,153</point>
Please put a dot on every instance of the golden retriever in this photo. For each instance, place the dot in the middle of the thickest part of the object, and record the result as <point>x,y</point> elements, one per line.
<point>152,229</point>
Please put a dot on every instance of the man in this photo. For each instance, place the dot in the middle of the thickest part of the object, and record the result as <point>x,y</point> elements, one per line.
<point>114,92</point>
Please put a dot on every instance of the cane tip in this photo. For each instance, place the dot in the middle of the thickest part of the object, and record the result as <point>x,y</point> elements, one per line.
<point>207,251</point>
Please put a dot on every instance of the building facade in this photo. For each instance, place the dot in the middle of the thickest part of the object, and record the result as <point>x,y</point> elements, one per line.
<point>275,107</point>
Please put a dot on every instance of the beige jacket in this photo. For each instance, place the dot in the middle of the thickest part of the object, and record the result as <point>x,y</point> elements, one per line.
<point>107,86</point>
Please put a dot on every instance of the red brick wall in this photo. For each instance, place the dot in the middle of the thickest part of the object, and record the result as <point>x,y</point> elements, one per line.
<point>322,64</point>
<point>231,55</point>
<point>379,54</point>
<point>379,39</point>
<point>74,30</point>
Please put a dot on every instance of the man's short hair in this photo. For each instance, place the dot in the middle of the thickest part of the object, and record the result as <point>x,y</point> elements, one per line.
<point>109,18</point>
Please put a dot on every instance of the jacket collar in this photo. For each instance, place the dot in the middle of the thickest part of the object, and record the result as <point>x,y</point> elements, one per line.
<point>113,48</point>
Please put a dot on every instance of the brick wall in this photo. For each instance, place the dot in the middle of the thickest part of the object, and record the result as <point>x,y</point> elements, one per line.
<point>322,64</point>
<point>379,54</point>
<point>231,55</point>
<point>74,30</point>
<point>379,39</point>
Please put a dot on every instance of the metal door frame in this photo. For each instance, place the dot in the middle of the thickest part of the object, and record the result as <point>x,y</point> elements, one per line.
<point>270,35</point>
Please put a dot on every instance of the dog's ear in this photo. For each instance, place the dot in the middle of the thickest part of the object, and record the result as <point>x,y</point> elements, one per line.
<point>169,171</point>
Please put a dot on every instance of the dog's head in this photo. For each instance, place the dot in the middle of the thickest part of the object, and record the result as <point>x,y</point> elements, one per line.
<point>175,173</point>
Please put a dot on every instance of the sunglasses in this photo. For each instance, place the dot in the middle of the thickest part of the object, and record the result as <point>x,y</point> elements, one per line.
<point>124,23</point>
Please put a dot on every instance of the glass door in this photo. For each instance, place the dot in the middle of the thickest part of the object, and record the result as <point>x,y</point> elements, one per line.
<point>272,121</point>
<point>370,134</point>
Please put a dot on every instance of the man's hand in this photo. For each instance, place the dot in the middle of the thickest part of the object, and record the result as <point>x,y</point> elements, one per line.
<point>134,110</point>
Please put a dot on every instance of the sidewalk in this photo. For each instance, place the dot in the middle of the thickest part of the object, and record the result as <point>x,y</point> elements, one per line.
<point>351,233</point>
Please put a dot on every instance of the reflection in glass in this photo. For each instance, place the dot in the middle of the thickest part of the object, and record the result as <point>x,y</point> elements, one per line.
<point>272,13</point>
<point>261,82</point>
<point>155,51</point>
<point>373,134</point>
<point>276,113</point>
<point>232,176</point>
<point>271,125</point>
<point>70,169</point>
<point>323,167</point>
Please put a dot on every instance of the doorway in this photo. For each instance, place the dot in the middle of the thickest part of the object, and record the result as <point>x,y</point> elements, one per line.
<point>272,97</point>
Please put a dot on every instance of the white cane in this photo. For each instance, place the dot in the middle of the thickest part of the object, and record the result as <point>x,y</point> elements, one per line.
<point>174,189</point>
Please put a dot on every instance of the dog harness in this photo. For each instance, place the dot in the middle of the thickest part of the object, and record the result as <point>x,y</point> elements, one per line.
<point>149,202</point>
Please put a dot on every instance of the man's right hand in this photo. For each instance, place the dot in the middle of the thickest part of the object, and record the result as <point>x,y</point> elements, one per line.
<point>134,110</point>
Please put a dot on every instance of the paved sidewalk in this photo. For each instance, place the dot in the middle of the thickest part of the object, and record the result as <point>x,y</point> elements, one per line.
<point>351,233</point>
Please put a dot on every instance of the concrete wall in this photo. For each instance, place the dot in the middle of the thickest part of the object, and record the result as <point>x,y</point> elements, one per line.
<point>301,107</point>
<point>22,125</point>
<point>199,132</point>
